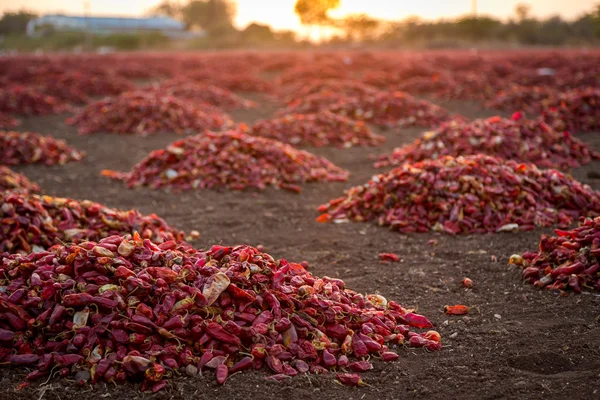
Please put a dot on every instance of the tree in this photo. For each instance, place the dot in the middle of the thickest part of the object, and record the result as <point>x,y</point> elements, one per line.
<point>523,11</point>
<point>14,23</point>
<point>359,27</point>
<point>214,16</point>
<point>315,12</point>
<point>258,33</point>
<point>168,8</point>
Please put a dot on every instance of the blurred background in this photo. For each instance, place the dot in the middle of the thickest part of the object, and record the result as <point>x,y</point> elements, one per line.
<point>111,25</point>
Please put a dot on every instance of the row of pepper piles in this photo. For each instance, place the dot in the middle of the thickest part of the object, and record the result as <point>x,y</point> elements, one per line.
<point>76,79</point>
<point>492,193</point>
<point>142,365</point>
<point>277,310</point>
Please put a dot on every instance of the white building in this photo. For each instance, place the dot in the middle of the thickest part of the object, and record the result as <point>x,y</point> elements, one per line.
<point>60,22</point>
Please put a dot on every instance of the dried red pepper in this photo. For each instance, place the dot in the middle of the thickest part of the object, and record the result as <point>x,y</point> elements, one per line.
<point>15,182</point>
<point>456,310</point>
<point>474,194</point>
<point>388,258</point>
<point>569,261</point>
<point>318,130</point>
<point>233,160</point>
<point>99,332</point>
<point>32,222</point>
<point>518,139</point>
<point>145,113</point>
<point>467,282</point>
<point>31,148</point>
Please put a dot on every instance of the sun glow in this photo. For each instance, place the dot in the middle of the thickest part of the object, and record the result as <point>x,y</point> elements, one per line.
<point>280,13</point>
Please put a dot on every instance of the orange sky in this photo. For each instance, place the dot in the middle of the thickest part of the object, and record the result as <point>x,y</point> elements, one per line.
<point>280,13</point>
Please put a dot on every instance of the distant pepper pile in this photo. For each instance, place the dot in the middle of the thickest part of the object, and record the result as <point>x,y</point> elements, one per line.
<point>350,88</point>
<point>32,222</point>
<point>474,194</point>
<point>232,160</point>
<point>200,92</point>
<point>577,111</point>
<point>516,139</point>
<point>26,101</point>
<point>393,109</point>
<point>318,130</point>
<point>15,182</point>
<point>8,122</point>
<point>145,113</point>
<point>568,261</point>
<point>33,148</point>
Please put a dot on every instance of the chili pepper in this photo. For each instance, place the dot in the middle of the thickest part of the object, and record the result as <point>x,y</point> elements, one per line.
<point>417,321</point>
<point>24,359</point>
<point>6,336</point>
<point>277,377</point>
<point>473,194</point>
<point>574,268</point>
<point>242,365</point>
<point>360,366</point>
<point>385,258</point>
<point>197,163</point>
<point>433,335</point>
<point>389,356</point>
<point>216,331</point>
<point>328,359</point>
<point>456,310</point>
<point>350,379</point>
<point>66,360</point>
<point>275,364</point>
<point>155,373</point>
<point>222,374</point>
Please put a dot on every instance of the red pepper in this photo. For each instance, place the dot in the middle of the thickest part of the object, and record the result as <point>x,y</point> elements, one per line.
<point>350,379</point>
<point>456,310</point>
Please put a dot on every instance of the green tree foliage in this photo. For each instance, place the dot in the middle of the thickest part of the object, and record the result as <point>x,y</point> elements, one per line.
<point>15,23</point>
<point>258,33</point>
<point>213,16</point>
<point>315,12</point>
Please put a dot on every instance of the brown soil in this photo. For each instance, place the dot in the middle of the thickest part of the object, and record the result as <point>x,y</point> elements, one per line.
<point>517,342</point>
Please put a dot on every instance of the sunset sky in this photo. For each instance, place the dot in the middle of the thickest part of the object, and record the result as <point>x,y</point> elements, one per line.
<point>280,13</point>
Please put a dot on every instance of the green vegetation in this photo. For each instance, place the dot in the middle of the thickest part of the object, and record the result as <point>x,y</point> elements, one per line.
<point>215,19</point>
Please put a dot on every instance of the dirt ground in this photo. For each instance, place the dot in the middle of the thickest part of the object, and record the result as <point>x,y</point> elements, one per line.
<point>517,342</point>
